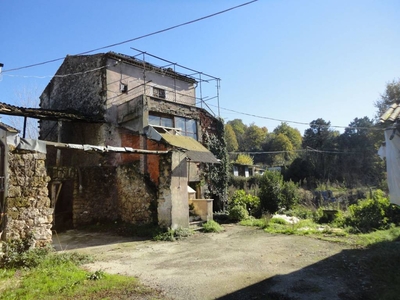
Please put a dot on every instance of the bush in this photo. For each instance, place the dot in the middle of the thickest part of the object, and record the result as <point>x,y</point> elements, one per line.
<point>21,254</point>
<point>238,213</point>
<point>270,194</point>
<point>369,214</point>
<point>212,226</point>
<point>249,202</point>
<point>290,194</point>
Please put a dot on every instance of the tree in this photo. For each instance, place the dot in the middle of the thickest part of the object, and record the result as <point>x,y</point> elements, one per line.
<point>293,134</point>
<point>322,143</point>
<point>26,97</point>
<point>281,144</point>
<point>389,97</point>
<point>359,162</point>
<point>239,128</point>
<point>254,137</point>
<point>244,159</point>
<point>230,137</point>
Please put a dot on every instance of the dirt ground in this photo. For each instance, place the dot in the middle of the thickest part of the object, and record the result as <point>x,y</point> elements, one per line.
<point>239,263</point>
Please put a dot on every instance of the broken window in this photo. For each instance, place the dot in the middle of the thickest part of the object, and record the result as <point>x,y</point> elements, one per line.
<point>159,93</point>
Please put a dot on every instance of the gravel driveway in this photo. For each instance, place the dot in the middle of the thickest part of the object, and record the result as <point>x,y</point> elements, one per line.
<point>239,263</point>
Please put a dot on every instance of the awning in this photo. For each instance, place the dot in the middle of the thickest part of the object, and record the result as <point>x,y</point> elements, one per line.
<point>195,151</point>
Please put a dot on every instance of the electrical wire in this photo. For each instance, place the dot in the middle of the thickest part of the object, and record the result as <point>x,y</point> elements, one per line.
<point>297,122</point>
<point>136,38</point>
<point>58,76</point>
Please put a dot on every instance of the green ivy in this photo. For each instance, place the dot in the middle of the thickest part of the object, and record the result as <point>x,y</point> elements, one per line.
<point>217,174</point>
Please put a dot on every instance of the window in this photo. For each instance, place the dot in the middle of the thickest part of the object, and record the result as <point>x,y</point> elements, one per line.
<point>161,121</point>
<point>160,93</point>
<point>123,87</point>
<point>188,127</point>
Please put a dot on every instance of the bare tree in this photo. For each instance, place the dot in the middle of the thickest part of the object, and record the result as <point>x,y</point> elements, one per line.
<point>25,97</point>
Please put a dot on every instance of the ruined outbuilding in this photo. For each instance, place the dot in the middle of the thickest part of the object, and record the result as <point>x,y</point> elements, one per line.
<point>139,157</point>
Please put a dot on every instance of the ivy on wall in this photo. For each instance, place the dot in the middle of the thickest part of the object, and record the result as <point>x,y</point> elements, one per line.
<point>217,174</point>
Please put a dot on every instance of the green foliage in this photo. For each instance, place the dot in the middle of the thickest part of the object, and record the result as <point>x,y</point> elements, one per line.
<point>301,212</point>
<point>59,276</point>
<point>21,254</point>
<point>261,223</point>
<point>270,191</point>
<point>290,194</point>
<point>212,226</point>
<point>369,214</point>
<point>97,275</point>
<point>293,134</point>
<point>172,235</point>
<point>217,174</point>
<point>253,138</point>
<point>238,213</point>
<point>231,140</point>
<point>249,202</point>
<point>278,221</point>
<point>244,159</point>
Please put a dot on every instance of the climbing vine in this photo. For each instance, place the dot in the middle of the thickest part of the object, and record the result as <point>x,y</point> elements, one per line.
<point>217,174</point>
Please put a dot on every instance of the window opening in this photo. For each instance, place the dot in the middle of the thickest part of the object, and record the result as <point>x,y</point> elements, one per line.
<point>160,93</point>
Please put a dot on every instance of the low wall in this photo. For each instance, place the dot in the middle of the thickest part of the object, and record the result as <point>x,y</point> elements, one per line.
<point>28,209</point>
<point>203,208</point>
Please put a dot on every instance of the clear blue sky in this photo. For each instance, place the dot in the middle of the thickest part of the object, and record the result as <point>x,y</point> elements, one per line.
<point>295,60</point>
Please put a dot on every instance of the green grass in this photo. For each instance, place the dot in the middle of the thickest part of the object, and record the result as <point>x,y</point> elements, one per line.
<point>171,235</point>
<point>59,276</point>
<point>212,226</point>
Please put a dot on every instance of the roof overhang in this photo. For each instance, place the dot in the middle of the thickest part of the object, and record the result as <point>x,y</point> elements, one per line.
<point>194,151</point>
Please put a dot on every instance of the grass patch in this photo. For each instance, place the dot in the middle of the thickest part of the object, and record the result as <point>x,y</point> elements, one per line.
<point>212,226</point>
<point>59,276</point>
<point>171,235</point>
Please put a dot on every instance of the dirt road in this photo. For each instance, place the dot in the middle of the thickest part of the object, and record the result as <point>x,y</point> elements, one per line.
<point>240,263</point>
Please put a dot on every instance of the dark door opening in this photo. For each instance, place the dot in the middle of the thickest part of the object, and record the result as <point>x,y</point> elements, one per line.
<point>63,209</point>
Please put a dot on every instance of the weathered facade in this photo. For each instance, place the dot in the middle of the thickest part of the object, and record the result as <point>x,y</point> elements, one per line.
<point>140,106</point>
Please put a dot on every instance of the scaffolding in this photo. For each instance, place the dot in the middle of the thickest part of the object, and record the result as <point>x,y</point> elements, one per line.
<point>201,79</point>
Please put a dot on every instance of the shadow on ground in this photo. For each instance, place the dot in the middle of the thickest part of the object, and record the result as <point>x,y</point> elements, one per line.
<point>365,274</point>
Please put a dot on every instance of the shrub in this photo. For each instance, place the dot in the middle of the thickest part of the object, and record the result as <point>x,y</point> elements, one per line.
<point>271,184</point>
<point>249,202</point>
<point>21,254</point>
<point>369,214</point>
<point>290,194</point>
<point>238,213</point>
<point>212,226</point>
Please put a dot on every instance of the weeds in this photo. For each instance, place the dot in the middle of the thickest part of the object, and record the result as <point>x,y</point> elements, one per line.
<point>172,235</point>
<point>212,226</point>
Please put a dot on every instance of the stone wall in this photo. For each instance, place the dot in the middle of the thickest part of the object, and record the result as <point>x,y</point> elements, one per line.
<point>27,203</point>
<point>112,193</point>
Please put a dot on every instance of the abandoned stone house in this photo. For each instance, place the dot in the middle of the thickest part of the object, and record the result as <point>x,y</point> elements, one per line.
<point>141,159</point>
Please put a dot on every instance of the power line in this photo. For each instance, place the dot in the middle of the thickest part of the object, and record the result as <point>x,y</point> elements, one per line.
<point>297,122</point>
<point>136,38</point>
<point>58,76</point>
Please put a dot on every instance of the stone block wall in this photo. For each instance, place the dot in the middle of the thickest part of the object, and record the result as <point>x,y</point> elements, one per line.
<point>112,193</point>
<point>27,203</point>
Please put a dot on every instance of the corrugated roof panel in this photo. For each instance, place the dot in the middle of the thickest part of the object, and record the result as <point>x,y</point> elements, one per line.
<point>196,151</point>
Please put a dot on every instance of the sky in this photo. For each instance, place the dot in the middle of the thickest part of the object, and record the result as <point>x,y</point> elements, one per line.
<point>292,60</point>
